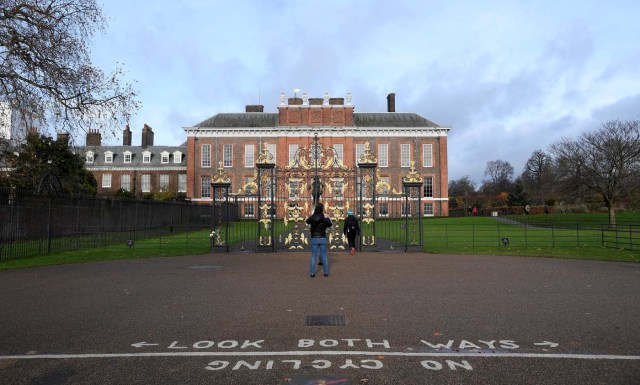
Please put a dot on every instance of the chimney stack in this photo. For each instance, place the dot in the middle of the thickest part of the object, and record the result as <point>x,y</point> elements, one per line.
<point>391,102</point>
<point>254,108</point>
<point>126,136</point>
<point>93,137</point>
<point>63,137</point>
<point>147,136</point>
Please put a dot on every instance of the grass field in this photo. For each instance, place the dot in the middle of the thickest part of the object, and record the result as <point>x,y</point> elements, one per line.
<point>577,236</point>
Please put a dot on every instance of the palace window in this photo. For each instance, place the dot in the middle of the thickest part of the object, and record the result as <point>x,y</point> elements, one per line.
<point>164,157</point>
<point>227,155</point>
<point>249,155</point>
<point>427,187</point>
<point>106,180</point>
<point>427,155</point>
<point>108,157</point>
<point>164,182</point>
<point>383,155</point>
<point>293,149</point>
<point>182,182</point>
<point>405,155</point>
<point>205,155</point>
<point>126,156</point>
<point>249,210</point>
<point>205,187</point>
<point>125,182</point>
<point>177,157</point>
<point>145,183</point>
<point>428,209</point>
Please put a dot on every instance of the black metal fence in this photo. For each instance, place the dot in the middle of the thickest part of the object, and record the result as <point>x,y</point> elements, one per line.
<point>33,225</point>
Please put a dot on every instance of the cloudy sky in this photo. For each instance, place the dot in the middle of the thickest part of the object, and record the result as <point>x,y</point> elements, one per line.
<point>509,77</point>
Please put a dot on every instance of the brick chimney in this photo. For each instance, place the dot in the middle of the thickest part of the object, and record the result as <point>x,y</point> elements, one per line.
<point>254,108</point>
<point>147,136</point>
<point>391,102</point>
<point>126,136</point>
<point>93,137</point>
<point>63,137</point>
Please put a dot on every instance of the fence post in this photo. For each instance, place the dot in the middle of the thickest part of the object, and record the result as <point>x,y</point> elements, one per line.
<point>601,235</point>
<point>49,227</point>
<point>578,233</point>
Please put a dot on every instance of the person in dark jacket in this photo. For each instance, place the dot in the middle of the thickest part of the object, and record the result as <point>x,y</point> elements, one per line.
<point>318,225</point>
<point>351,230</point>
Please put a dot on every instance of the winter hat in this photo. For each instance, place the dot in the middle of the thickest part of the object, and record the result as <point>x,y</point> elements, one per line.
<point>350,212</point>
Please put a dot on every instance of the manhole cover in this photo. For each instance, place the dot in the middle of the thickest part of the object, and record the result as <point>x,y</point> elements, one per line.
<point>204,267</point>
<point>324,320</point>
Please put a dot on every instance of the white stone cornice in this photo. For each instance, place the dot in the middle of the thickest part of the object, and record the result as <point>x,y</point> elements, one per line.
<point>130,168</point>
<point>323,131</point>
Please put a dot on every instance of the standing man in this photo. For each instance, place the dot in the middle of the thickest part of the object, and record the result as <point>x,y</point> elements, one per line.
<point>319,224</point>
<point>351,230</point>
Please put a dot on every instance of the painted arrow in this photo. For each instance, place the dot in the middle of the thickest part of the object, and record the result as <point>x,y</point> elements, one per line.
<point>547,343</point>
<point>143,344</point>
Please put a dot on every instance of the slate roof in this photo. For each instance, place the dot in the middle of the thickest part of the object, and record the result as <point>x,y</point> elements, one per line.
<point>265,119</point>
<point>136,156</point>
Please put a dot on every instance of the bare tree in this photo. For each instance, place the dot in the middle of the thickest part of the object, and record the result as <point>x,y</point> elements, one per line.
<point>500,174</point>
<point>538,175</point>
<point>46,76</point>
<point>605,162</point>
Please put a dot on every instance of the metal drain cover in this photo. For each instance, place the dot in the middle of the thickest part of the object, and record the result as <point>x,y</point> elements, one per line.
<point>204,267</point>
<point>324,320</point>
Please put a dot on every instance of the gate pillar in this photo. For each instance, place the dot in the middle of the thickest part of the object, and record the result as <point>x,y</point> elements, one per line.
<point>367,164</point>
<point>412,210</point>
<point>266,204</point>
<point>220,184</point>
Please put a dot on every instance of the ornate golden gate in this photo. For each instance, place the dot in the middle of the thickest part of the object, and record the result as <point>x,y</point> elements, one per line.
<point>285,197</point>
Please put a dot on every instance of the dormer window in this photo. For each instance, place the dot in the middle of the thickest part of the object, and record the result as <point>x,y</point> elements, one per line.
<point>177,157</point>
<point>89,157</point>
<point>108,157</point>
<point>146,157</point>
<point>126,156</point>
<point>164,157</point>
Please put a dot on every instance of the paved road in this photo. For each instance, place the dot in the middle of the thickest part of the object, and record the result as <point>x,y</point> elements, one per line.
<point>378,319</point>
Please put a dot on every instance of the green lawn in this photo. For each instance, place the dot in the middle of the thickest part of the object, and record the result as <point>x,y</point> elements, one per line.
<point>576,236</point>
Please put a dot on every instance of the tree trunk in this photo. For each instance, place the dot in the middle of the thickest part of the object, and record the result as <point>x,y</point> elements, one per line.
<point>612,214</point>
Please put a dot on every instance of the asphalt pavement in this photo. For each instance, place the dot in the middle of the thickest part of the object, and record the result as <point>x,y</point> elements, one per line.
<point>379,318</point>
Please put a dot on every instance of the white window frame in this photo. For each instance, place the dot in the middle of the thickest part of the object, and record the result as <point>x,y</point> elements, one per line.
<point>145,183</point>
<point>359,151</point>
<point>424,208</point>
<point>427,184</point>
<point>427,155</point>
<point>339,148</point>
<point>249,210</point>
<point>227,155</point>
<point>108,157</point>
<point>164,182</point>
<point>383,155</point>
<point>384,205</point>
<point>182,182</point>
<point>106,180</point>
<point>127,156</point>
<point>271,149</point>
<point>249,155</point>
<point>125,182</point>
<point>146,157</point>
<point>177,157</point>
<point>205,156</point>
<point>205,187</point>
<point>293,149</point>
<point>90,156</point>
<point>405,155</point>
<point>164,157</point>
